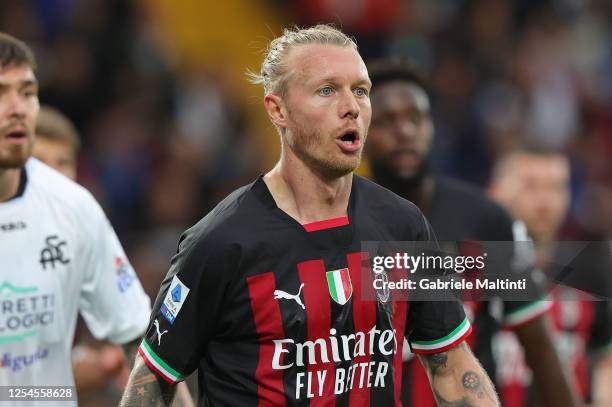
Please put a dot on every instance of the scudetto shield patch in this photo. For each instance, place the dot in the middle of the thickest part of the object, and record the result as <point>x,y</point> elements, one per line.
<point>340,286</point>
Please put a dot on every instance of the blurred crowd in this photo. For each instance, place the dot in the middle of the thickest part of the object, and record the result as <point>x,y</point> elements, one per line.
<point>164,140</point>
<point>504,74</point>
<point>159,147</point>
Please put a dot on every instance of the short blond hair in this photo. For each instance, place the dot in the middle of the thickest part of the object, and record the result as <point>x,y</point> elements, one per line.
<point>55,126</point>
<point>274,75</point>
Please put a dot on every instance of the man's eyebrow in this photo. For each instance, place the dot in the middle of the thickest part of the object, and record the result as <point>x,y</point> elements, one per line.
<point>330,79</point>
<point>366,81</point>
<point>334,80</point>
<point>21,84</point>
<point>29,82</point>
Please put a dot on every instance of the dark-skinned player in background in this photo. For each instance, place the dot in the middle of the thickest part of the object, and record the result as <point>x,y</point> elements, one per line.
<point>398,149</point>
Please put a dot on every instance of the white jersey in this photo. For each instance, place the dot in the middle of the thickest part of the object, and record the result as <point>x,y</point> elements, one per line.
<point>59,255</point>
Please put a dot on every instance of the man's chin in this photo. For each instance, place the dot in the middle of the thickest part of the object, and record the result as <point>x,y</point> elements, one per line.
<point>7,163</point>
<point>408,176</point>
<point>338,169</point>
<point>398,179</point>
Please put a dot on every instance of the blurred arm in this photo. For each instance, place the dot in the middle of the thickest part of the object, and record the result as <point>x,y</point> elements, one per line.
<point>552,381</point>
<point>458,380</point>
<point>94,368</point>
<point>129,349</point>
<point>602,378</point>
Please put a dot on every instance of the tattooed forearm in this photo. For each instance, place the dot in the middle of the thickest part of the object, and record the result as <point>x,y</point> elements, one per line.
<point>445,403</point>
<point>146,389</point>
<point>471,382</point>
<point>457,379</point>
<point>434,362</point>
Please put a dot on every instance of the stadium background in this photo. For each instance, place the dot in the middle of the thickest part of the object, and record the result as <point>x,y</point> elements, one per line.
<point>170,125</point>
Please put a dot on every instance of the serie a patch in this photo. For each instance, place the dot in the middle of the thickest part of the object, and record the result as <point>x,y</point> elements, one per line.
<point>175,298</point>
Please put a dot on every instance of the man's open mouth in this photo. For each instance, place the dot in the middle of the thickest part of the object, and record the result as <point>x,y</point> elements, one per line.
<point>349,141</point>
<point>16,135</point>
<point>349,137</point>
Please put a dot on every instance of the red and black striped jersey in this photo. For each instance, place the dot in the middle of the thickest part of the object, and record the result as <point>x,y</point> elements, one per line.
<point>273,313</point>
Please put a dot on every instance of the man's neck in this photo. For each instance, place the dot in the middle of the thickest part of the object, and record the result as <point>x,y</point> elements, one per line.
<point>304,194</point>
<point>9,183</point>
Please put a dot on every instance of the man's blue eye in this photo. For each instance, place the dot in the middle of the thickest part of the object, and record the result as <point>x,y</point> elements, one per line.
<point>326,91</point>
<point>360,92</point>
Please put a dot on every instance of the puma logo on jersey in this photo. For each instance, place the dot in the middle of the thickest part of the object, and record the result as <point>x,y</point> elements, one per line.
<point>159,334</point>
<point>286,296</point>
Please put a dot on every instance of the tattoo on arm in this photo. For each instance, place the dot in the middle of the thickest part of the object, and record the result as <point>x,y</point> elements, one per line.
<point>471,382</point>
<point>474,384</point>
<point>445,403</point>
<point>146,388</point>
<point>435,361</point>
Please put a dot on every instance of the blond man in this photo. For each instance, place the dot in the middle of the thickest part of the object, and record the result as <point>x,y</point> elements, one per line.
<point>265,296</point>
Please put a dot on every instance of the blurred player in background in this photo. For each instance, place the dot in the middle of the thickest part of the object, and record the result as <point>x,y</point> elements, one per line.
<point>57,141</point>
<point>57,144</point>
<point>265,293</point>
<point>59,255</point>
<point>398,149</point>
<point>534,185</point>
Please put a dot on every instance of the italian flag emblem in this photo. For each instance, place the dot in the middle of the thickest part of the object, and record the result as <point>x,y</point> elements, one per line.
<point>340,287</point>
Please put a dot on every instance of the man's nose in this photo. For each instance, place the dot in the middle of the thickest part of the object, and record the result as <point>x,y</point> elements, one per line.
<point>349,106</point>
<point>16,104</point>
<point>405,128</point>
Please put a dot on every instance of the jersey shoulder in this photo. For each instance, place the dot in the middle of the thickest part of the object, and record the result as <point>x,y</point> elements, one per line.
<point>226,220</point>
<point>386,207</point>
<point>469,201</point>
<point>57,189</point>
<point>469,196</point>
<point>374,193</point>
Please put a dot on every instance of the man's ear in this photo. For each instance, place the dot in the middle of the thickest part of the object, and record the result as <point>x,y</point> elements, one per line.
<point>277,112</point>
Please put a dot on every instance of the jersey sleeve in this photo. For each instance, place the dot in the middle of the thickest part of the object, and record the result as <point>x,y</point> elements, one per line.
<point>601,331</point>
<point>187,306</point>
<point>435,326</point>
<point>518,313</point>
<point>112,301</point>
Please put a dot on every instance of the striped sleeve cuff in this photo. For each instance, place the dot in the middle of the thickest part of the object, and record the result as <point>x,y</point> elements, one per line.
<point>156,364</point>
<point>449,341</point>
<point>527,313</point>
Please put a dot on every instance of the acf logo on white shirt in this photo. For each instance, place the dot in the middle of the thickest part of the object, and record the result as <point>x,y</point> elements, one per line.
<point>175,298</point>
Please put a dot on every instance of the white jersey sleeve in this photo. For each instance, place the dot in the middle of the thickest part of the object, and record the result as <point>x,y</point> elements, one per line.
<point>112,301</point>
